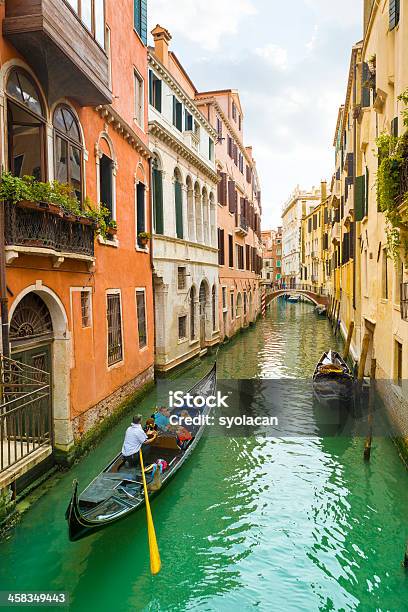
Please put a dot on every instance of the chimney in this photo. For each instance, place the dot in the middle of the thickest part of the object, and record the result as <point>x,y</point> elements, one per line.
<point>161,38</point>
<point>323,190</point>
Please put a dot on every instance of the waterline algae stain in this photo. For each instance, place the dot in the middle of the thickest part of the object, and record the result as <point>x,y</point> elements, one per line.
<point>272,523</point>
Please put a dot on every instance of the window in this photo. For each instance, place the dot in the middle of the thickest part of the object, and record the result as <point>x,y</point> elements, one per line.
<point>192,313</point>
<point>188,121</point>
<point>214,308</point>
<point>394,13</point>
<point>239,122</point>
<point>115,347</point>
<point>181,278</point>
<point>178,200</point>
<point>26,126</point>
<point>399,279</point>
<point>278,263</point>
<point>224,298</point>
<point>232,304</point>
<point>240,256</point>
<point>177,114</point>
<point>230,251</point>
<point>219,128</point>
<point>234,111</point>
<point>141,317</point>
<point>86,308</point>
<point>92,15</point>
<point>140,210</point>
<point>384,274</point>
<point>221,247</point>
<point>68,149</point>
<point>106,183</point>
<point>157,180</point>
<point>139,99</point>
<point>222,189</point>
<point>140,19</point>
<point>182,327</point>
<point>398,363</point>
<point>155,91</point>
<point>210,149</point>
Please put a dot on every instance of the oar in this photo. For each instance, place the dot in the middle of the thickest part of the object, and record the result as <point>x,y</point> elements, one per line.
<point>155,563</point>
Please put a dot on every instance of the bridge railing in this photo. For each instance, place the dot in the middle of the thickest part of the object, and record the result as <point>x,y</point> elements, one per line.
<point>300,287</point>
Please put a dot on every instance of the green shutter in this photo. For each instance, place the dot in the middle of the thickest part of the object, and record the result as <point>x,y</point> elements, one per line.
<point>143,21</point>
<point>394,13</point>
<point>365,89</point>
<point>158,201</point>
<point>359,197</point>
<point>179,209</point>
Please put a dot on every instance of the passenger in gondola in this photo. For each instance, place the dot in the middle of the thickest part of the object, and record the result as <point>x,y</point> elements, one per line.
<point>183,438</point>
<point>134,440</point>
<point>151,431</point>
<point>162,418</point>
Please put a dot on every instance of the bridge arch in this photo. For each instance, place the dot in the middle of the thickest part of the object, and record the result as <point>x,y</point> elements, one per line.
<point>315,298</point>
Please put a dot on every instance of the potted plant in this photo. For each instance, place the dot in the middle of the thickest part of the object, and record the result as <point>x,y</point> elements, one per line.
<point>111,229</point>
<point>143,238</point>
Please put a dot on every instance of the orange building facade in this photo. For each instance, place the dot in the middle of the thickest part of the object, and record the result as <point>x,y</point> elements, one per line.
<point>238,213</point>
<point>73,108</point>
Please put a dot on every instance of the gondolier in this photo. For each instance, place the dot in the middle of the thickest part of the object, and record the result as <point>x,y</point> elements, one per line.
<point>133,442</point>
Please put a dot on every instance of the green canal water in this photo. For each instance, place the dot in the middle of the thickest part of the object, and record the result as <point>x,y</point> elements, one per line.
<point>249,523</point>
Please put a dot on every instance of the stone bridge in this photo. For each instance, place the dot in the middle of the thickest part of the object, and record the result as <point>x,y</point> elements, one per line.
<point>316,298</point>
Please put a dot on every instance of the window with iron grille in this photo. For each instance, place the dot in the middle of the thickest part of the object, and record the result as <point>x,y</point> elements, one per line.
<point>115,347</point>
<point>404,301</point>
<point>141,317</point>
<point>224,297</point>
<point>182,327</point>
<point>181,278</point>
<point>86,308</point>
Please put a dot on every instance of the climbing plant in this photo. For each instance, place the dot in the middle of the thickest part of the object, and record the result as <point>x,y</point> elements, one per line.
<point>391,197</point>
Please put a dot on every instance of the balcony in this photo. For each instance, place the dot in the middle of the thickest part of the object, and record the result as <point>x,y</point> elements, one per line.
<point>241,225</point>
<point>61,50</point>
<point>38,231</point>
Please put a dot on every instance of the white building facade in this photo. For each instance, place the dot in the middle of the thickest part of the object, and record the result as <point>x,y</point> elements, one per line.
<point>300,204</point>
<point>184,184</point>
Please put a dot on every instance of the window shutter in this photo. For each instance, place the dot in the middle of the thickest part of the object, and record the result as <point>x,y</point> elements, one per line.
<point>394,13</point>
<point>365,90</point>
<point>151,101</point>
<point>158,201</point>
<point>189,122</point>
<point>179,209</point>
<point>394,127</point>
<point>350,164</point>
<point>359,198</point>
<point>143,21</point>
<point>158,95</point>
<point>232,197</point>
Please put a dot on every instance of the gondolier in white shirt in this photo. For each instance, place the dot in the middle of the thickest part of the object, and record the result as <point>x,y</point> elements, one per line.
<point>135,437</point>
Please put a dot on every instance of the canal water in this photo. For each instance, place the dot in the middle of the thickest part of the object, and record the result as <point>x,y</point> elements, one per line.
<point>251,522</point>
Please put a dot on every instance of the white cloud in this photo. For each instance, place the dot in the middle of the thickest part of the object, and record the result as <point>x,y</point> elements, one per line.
<point>274,55</point>
<point>204,22</point>
<point>347,13</point>
<point>311,44</point>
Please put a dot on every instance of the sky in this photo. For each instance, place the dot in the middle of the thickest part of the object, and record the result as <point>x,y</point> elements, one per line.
<point>289,61</point>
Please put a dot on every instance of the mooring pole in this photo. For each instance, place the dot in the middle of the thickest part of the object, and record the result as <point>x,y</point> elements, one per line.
<point>363,357</point>
<point>348,341</point>
<point>371,400</point>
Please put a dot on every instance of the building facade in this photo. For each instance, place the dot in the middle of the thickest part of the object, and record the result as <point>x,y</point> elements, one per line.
<point>184,187</point>
<point>272,257</point>
<point>238,213</point>
<point>298,206</point>
<point>80,303</point>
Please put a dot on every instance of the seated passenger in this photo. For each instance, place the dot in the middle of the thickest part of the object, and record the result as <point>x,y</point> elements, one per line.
<point>162,418</point>
<point>183,437</point>
<point>150,430</point>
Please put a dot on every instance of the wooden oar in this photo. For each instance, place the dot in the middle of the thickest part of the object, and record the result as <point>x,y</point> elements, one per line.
<point>155,563</point>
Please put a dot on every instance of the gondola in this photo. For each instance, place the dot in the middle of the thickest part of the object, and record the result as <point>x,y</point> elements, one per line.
<point>118,490</point>
<point>333,379</point>
<point>321,310</point>
<point>294,299</point>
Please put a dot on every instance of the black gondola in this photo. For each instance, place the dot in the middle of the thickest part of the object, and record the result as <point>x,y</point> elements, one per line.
<point>118,490</point>
<point>333,379</point>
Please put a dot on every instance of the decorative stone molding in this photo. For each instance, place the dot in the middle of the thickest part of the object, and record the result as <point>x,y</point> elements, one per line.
<point>157,130</point>
<point>112,118</point>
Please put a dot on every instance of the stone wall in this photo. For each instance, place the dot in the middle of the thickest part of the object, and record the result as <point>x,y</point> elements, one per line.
<point>93,417</point>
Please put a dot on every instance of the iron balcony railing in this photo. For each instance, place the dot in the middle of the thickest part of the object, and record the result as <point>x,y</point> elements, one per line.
<point>25,411</point>
<point>241,224</point>
<point>38,227</point>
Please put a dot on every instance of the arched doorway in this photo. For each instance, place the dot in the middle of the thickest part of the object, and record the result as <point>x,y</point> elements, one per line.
<point>31,332</point>
<point>203,299</point>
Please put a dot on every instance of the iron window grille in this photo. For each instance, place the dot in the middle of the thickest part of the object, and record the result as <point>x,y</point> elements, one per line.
<point>86,308</point>
<point>404,301</point>
<point>115,345</point>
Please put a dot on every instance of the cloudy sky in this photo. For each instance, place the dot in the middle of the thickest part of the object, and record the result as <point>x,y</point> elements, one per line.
<point>289,60</point>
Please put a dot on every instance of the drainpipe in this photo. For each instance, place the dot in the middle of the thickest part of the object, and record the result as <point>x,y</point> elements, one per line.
<point>151,253</point>
<point>3,287</point>
<point>354,174</point>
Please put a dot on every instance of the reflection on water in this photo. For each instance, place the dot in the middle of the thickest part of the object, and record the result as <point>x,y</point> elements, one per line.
<point>252,521</point>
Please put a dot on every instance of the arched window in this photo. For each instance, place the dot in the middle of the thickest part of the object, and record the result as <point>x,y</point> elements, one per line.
<point>192,313</point>
<point>68,153</point>
<point>178,200</point>
<point>26,126</point>
<point>214,308</point>
<point>157,180</point>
